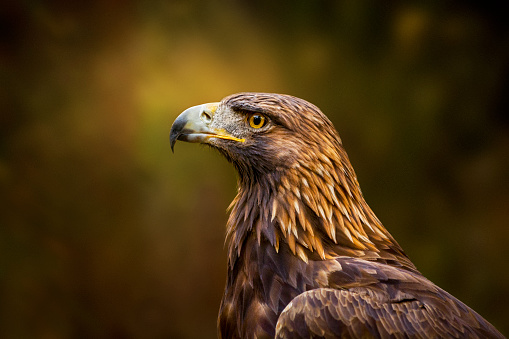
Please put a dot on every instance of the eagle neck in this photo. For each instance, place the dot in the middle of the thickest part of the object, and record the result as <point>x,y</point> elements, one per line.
<point>315,209</point>
<point>250,213</point>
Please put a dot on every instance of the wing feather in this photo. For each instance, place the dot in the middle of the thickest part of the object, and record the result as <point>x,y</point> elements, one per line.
<point>410,306</point>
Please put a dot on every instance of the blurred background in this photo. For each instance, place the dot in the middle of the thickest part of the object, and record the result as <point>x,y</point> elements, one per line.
<point>106,234</point>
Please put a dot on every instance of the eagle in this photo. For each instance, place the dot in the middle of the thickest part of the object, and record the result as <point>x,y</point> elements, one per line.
<point>307,257</point>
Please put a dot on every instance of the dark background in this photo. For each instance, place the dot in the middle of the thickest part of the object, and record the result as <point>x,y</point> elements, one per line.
<point>104,233</point>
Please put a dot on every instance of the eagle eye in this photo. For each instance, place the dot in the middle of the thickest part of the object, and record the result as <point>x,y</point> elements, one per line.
<point>256,120</point>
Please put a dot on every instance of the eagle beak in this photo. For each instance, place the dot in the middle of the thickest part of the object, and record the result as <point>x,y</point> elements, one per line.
<point>193,125</point>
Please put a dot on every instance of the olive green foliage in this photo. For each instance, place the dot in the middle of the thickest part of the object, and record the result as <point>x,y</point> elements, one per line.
<point>105,233</point>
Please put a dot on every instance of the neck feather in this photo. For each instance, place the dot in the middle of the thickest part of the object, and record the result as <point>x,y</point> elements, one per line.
<point>316,208</point>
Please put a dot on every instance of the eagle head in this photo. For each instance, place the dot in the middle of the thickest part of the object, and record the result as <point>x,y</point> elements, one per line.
<point>260,133</point>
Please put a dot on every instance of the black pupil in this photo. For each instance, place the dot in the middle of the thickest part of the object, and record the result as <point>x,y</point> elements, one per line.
<point>257,120</point>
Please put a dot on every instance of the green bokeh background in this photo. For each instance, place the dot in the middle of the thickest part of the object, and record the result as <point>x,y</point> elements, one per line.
<point>105,234</point>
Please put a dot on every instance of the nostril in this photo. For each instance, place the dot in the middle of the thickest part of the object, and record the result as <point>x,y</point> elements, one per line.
<point>205,117</point>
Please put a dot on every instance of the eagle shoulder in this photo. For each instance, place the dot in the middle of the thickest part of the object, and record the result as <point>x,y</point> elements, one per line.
<point>369,299</point>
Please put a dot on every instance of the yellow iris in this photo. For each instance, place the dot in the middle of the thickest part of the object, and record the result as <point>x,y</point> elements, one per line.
<point>256,121</point>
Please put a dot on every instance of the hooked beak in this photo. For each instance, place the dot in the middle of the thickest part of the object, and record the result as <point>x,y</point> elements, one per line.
<point>193,125</point>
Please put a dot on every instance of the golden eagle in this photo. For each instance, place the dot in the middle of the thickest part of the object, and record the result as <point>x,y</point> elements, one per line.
<point>307,257</point>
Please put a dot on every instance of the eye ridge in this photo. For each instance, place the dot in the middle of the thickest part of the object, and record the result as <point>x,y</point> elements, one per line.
<point>257,121</point>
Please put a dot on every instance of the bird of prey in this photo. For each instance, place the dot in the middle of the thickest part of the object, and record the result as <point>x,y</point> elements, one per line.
<point>307,257</point>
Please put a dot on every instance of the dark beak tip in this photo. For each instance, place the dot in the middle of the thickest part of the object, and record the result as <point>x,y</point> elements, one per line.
<point>176,129</point>
<point>173,140</point>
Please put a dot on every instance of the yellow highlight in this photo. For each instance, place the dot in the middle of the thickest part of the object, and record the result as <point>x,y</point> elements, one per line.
<point>212,107</point>
<point>226,137</point>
